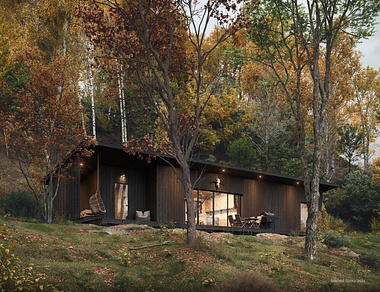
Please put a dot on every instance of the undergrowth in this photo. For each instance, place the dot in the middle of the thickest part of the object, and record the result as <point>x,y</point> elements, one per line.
<point>91,258</point>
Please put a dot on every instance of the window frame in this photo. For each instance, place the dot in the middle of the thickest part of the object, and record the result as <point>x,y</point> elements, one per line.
<point>197,201</point>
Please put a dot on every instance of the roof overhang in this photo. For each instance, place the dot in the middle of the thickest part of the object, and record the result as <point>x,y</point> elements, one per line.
<point>114,158</point>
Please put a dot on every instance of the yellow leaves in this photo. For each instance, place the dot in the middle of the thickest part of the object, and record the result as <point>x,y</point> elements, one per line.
<point>223,117</point>
<point>125,256</point>
<point>12,276</point>
<point>366,100</point>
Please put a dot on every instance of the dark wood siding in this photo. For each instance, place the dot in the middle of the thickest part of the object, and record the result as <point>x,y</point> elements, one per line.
<point>67,202</point>
<point>157,188</point>
<point>261,196</point>
<point>282,200</point>
<point>229,184</point>
<point>88,187</point>
<point>136,180</point>
<point>151,194</point>
<point>170,196</point>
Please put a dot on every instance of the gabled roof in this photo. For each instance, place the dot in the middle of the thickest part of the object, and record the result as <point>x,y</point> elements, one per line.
<point>112,154</point>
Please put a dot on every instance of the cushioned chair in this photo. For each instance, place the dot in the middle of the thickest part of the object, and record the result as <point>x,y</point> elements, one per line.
<point>143,216</point>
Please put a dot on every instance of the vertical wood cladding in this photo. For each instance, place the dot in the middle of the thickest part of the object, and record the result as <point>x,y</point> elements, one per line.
<point>260,196</point>
<point>158,189</point>
<point>229,184</point>
<point>67,202</point>
<point>282,200</point>
<point>170,196</point>
<point>136,181</point>
<point>151,194</point>
<point>88,187</point>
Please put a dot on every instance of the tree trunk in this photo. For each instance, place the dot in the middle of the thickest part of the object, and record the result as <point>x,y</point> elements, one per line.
<point>65,33</point>
<point>6,142</point>
<point>366,152</point>
<point>49,208</point>
<point>123,118</point>
<point>90,85</point>
<point>82,115</point>
<point>312,224</point>
<point>188,188</point>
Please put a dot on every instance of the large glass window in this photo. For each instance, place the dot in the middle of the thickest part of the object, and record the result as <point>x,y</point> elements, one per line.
<point>212,208</point>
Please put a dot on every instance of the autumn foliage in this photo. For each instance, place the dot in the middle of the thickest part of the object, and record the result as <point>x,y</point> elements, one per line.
<point>41,118</point>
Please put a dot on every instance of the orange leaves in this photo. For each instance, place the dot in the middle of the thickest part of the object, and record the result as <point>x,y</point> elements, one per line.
<point>376,170</point>
<point>47,115</point>
<point>143,148</point>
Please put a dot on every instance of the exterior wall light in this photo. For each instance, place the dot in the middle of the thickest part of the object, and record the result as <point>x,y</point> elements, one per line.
<point>217,182</point>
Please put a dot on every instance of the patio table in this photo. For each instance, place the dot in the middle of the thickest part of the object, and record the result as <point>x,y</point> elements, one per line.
<point>252,222</point>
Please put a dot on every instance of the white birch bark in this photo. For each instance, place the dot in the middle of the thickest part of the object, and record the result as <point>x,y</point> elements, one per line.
<point>123,117</point>
<point>82,115</point>
<point>65,33</point>
<point>90,90</point>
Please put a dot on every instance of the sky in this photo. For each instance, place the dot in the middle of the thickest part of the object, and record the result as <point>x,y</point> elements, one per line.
<point>371,50</point>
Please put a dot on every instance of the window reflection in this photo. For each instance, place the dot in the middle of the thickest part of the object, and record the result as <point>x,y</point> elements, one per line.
<point>212,208</point>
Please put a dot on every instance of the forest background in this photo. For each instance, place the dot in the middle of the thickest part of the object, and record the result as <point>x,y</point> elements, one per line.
<point>247,121</point>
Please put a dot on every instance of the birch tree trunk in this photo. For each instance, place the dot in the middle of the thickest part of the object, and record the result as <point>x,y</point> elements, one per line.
<point>89,82</point>
<point>123,117</point>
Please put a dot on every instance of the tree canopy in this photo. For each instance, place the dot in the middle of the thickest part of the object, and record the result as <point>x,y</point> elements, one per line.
<point>277,86</point>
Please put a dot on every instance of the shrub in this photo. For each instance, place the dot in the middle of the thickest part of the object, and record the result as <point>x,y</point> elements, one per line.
<point>323,219</point>
<point>350,204</point>
<point>375,225</point>
<point>371,258</point>
<point>333,239</point>
<point>19,203</point>
<point>12,276</point>
<point>328,222</point>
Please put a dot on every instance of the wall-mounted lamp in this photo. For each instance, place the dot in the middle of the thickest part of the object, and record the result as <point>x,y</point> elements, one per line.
<point>81,164</point>
<point>217,182</point>
<point>260,176</point>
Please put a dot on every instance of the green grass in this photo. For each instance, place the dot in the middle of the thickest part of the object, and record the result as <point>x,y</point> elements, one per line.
<point>85,258</point>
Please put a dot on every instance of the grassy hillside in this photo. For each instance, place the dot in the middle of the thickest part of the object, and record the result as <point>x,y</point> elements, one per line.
<point>132,258</point>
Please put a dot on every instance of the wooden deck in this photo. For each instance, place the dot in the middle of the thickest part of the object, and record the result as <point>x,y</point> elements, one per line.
<point>207,228</point>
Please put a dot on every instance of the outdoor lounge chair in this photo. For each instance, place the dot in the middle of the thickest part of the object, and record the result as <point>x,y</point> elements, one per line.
<point>231,220</point>
<point>239,221</point>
